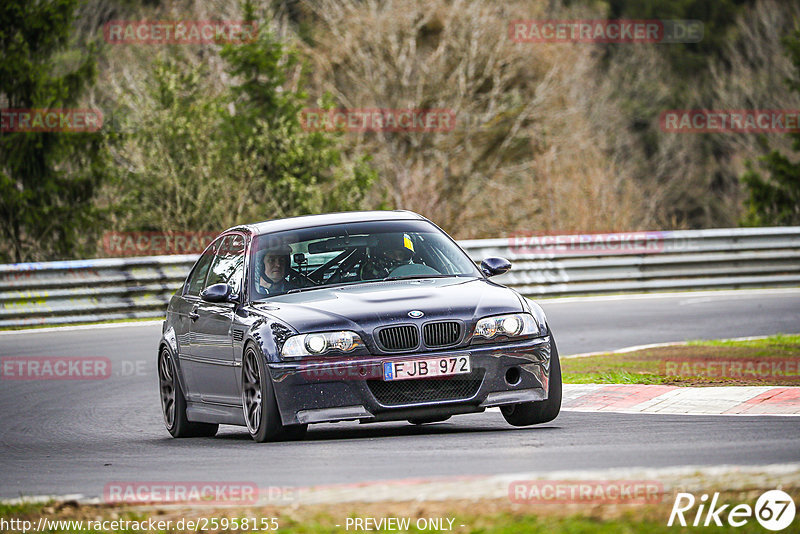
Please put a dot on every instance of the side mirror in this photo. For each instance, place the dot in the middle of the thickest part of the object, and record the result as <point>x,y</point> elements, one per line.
<point>217,293</point>
<point>495,266</point>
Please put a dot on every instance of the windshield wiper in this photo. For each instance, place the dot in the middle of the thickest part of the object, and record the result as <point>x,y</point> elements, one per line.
<point>417,277</point>
<point>391,278</point>
<point>322,286</point>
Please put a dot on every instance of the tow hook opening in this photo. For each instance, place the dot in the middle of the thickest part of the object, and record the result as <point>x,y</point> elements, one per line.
<point>513,376</point>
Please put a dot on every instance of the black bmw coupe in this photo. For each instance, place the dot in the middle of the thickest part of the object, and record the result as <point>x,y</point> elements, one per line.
<point>362,316</point>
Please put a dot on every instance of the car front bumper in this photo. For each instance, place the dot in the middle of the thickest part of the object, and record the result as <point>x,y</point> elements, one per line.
<point>341,389</point>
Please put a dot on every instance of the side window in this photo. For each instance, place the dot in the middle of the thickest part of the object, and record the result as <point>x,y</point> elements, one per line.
<point>228,266</point>
<point>197,280</point>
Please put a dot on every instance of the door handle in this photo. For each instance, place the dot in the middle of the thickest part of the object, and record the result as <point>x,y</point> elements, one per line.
<point>193,315</point>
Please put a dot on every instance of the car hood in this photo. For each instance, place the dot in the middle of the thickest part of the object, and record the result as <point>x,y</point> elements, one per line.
<point>362,307</point>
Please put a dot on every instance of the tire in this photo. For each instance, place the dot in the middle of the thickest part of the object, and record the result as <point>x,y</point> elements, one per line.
<point>538,412</point>
<point>261,413</point>
<point>426,420</point>
<point>173,403</point>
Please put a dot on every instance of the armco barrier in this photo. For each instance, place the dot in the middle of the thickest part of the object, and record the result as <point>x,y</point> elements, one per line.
<point>106,289</point>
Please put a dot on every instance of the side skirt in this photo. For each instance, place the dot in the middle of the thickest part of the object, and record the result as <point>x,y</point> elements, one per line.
<point>203,412</point>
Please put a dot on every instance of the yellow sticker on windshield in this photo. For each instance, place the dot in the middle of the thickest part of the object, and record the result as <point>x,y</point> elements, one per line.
<point>408,243</point>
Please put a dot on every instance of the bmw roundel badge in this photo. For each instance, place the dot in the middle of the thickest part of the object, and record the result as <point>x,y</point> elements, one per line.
<point>415,314</point>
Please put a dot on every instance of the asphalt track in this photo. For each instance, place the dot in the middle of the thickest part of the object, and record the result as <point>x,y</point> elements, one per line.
<point>74,437</point>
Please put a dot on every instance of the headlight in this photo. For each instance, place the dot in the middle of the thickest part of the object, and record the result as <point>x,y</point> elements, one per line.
<point>512,325</point>
<point>316,343</point>
<point>321,343</point>
<point>538,314</point>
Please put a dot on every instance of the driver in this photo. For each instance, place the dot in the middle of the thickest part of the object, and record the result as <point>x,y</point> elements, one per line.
<point>272,271</point>
<point>391,251</point>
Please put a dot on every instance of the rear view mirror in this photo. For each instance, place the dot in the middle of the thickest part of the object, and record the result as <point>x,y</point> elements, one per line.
<point>217,293</point>
<point>494,266</point>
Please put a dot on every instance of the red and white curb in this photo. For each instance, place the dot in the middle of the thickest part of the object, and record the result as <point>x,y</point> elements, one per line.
<point>712,400</point>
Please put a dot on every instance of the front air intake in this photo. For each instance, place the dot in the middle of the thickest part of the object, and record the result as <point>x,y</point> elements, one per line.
<point>441,334</point>
<point>397,338</point>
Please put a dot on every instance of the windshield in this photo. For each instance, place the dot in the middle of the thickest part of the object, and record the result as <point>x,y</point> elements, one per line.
<point>309,258</point>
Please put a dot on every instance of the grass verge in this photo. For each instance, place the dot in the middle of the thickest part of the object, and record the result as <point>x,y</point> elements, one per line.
<point>475,516</point>
<point>760,362</point>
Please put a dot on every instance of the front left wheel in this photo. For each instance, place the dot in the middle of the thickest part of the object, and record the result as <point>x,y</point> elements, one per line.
<point>538,412</point>
<point>260,406</point>
<point>173,402</point>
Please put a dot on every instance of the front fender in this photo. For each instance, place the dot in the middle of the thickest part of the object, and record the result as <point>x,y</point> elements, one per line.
<point>268,335</point>
<point>537,311</point>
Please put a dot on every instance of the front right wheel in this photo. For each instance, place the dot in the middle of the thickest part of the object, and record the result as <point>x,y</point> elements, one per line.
<point>538,412</point>
<point>260,406</point>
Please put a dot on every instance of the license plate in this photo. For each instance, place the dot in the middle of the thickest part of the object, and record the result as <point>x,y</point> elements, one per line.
<point>426,368</point>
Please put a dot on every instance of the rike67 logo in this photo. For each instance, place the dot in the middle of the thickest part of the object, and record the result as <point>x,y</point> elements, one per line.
<point>774,510</point>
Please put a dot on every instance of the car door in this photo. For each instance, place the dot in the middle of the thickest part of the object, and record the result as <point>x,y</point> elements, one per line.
<point>214,370</point>
<point>185,308</point>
